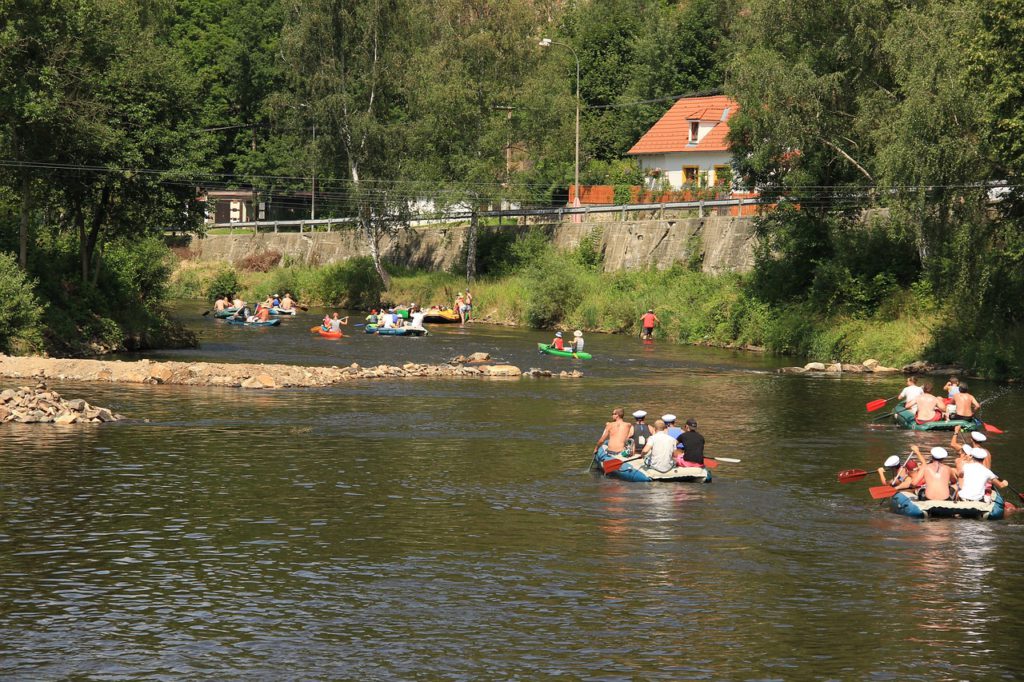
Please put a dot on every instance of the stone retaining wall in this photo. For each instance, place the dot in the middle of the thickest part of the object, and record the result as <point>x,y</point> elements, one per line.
<point>719,243</point>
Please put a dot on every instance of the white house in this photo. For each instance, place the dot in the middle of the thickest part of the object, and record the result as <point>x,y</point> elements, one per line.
<point>688,146</point>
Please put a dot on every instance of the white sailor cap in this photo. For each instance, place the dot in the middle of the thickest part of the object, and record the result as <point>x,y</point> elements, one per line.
<point>639,414</point>
<point>978,436</point>
<point>668,418</point>
<point>939,453</point>
<point>892,461</point>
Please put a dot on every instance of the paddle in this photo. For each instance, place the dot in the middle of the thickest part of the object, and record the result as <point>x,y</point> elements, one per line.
<point>880,491</point>
<point>205,313</point>
<point>851,475</point>
<point>878,403</point>
<point>731,460</point>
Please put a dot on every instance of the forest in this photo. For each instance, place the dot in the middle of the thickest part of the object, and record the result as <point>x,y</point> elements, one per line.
<point>890,135</point>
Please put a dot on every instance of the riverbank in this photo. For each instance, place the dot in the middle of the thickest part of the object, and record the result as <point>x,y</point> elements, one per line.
<point>250,376</point>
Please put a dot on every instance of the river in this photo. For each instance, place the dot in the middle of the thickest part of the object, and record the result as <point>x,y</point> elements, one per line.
<point>448,529</point>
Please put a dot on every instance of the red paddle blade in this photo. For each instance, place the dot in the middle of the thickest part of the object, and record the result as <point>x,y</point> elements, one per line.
<point>612,465</point>
<point>710,463</point>
<point>880,491</point>
<point>876,404</point>
<point>851,475</point>
<point>990,428</point>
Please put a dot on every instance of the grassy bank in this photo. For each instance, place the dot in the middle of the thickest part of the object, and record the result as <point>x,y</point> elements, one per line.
<point>564,291</point>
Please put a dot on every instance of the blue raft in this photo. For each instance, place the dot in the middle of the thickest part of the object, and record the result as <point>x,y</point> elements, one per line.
<point>242,321</point>
<point>636,472</point>
<point>907,504</point>
<point>395,331</point>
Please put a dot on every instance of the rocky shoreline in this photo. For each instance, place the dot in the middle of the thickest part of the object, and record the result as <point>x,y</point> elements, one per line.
<point>252,376</point>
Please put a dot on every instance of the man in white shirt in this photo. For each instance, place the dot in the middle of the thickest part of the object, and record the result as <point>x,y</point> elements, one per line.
<point>974,475</point>
<point>909,392</point>
<point>661,447</point>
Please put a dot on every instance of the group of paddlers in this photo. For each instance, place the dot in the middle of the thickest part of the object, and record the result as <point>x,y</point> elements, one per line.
<point>969,479</point>
<point>958,403</point>
<point>666,446</point>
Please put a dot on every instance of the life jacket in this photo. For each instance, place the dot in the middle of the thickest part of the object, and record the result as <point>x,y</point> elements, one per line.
<point>641,432</point>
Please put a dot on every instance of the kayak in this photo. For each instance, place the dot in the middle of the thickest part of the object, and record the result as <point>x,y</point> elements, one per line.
<point>239,320</point>
<point>282,311</point>
<point>440,315</point>
<point>393,331</point>
<point>636,472</point>
<point>546,348</point>
<point>327,334</point>
<point>907,504</point>
<point>905,420</point>
<point>227,312</point>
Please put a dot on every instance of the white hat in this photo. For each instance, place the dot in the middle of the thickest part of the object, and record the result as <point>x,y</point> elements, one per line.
<point>939,453</point>
<point>978,436</point>
<point>558,335</point>
<point>892,461</point>
<point>667,418</point>
<point>577,333</point>
<point>639,414</point>
<point>977,453</point>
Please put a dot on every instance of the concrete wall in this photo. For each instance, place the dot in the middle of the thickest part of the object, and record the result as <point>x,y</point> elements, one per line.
<point>721,243</point>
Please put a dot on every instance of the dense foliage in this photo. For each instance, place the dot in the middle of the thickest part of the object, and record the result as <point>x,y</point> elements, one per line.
<point>879,126</point>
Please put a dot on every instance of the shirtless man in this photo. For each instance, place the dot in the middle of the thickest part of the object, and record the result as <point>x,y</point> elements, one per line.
<point>965,404</point>
<point>616,432</point>
<point>929,407</point>
<point>935,476</point>
<point>287,303</point>
<point>221,304</point>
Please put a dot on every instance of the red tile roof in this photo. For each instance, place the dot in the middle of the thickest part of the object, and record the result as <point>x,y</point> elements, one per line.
<point>671,132</point>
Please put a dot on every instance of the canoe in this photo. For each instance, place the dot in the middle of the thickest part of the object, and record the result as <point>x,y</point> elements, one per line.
<point>400,331</point>
<point>329,334</point>
<point>239,320</point>
<point>636,472</point>
<point>227,312</point>
<point>282,311</point>
<point>437,315</point>
<point>905,420</point>
<point>546,348</point>
<point>907,504</point>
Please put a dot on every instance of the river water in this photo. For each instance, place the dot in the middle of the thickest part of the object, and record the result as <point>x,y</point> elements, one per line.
<point>448,529</point>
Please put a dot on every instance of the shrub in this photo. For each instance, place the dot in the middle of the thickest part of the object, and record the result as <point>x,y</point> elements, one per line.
<point>224,283</point>
<point>553,289</point>
<point>352,284</point>
<point>260,262</point>
<point>22,310</point>
<point>137,272</point>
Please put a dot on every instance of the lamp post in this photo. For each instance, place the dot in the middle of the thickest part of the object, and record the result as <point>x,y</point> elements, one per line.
<point>548,42</point>
<point>312,205</point>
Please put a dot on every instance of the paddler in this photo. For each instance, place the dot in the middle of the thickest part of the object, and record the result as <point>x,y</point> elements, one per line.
<point>936,477</point>
<point>974,476</point>
<point>557,343</point>
<point>661,447</point>
<point>692,444</point>
<point>670,425</point>
<point>641,431</point>
<point>616,432</point>
<point>899,473</point>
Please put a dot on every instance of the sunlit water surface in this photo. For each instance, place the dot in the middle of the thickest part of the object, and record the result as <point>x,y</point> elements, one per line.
<point>448,529</point>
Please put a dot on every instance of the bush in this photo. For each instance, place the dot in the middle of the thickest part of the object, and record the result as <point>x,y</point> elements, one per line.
<point>22,311</point>
<point>136,272</point>
<point>260,262</point>
<point>553,289</point>
<point>224,283</point>
<point>352,284</point>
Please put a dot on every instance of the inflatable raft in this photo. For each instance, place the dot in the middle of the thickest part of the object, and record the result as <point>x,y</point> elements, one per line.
<point>227,312</point>
<point>546,348</point>
<point>393,331</point>
<point>907,504</point>
<point>636,472</point>
<point>282,311</point>
<point>239,320</point>
<point>438,315</point>
<point>327,333</point>
<point>905,420</point>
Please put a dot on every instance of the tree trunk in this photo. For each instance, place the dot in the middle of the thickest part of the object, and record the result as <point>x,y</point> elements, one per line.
<point>26,205</point>
<point>471,247</point>
<point>87,241</point>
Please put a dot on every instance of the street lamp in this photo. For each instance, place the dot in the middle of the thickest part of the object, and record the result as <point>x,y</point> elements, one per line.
<point>312,205</point>
<point>548,42</point>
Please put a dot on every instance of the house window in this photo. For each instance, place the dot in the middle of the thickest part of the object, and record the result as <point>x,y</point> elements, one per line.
<point>694,129</point>
<point>723,176</point>
<point>690,175</point>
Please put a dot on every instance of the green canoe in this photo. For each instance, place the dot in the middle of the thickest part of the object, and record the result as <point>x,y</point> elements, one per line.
<point>546,348</point>
<point>905,420</point>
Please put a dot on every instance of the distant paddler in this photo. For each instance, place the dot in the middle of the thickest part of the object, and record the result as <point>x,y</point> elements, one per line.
<point>615,434</point>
